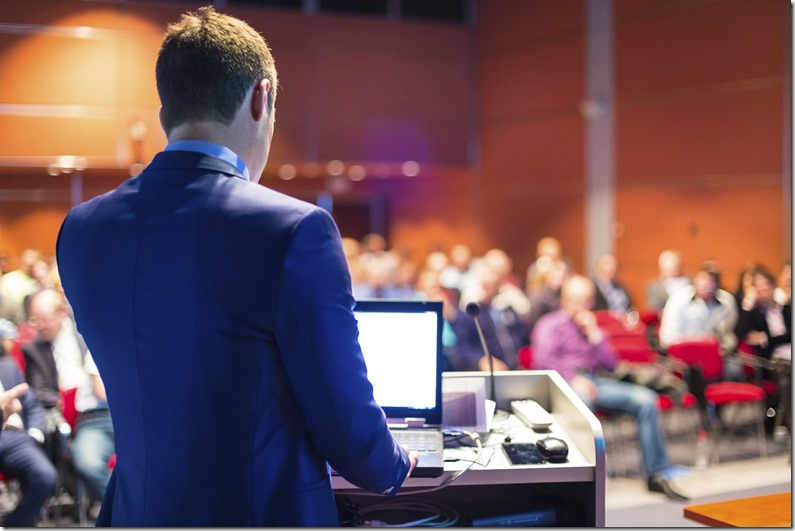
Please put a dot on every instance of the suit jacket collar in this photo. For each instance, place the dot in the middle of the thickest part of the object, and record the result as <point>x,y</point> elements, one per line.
<point>176,160</point>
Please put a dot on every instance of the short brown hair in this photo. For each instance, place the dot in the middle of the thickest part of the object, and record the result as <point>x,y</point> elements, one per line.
<point>206,65</point>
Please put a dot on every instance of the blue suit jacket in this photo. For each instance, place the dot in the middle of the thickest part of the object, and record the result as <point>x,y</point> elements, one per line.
<point>219,315</point>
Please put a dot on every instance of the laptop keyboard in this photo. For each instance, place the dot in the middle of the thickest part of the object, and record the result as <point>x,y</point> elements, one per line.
<point>419,440</point>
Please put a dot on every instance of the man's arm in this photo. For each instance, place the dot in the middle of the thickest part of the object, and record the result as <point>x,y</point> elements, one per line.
<point>670,329</point>
<point>317,336</point>
<point>9,400</point>
<point>35,376</point>
<point>724,328</point>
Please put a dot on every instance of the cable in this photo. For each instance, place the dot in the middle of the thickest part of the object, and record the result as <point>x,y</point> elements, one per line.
<point>441,515</point>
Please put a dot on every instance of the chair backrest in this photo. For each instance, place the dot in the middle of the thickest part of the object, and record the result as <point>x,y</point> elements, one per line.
<point>68,409</point>
<point>704,353</point>
<point>26,333</point>
<point>525,357</point>
<point>633,347</point>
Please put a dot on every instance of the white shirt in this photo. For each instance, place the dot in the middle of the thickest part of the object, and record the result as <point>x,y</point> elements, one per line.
<point>74,369</point>
<point>687,316</point>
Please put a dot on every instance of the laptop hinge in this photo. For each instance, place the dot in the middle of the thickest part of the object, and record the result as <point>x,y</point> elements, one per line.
<point>414,422</point>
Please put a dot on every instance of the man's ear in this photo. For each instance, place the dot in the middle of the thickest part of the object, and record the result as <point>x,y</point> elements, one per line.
<point>259,100</point>
<point>162,121</point>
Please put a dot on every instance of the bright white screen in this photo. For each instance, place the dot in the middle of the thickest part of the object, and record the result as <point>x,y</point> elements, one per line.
<point>400,352</point>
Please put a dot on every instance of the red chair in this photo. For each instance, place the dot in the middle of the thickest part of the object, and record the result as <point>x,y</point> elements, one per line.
<point>633,348</point>
<point>525,357</point>
<point>26,333</point>
<point>705,356</point>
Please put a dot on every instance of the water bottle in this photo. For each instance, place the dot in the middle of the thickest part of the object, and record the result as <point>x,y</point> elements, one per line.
<point>702,450</point>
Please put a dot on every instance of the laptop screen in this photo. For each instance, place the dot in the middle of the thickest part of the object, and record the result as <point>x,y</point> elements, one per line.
<point>401,341</point>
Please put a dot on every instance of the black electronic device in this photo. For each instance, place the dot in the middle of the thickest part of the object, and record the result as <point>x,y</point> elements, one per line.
<point>553,449</point>
<point>523,453</point>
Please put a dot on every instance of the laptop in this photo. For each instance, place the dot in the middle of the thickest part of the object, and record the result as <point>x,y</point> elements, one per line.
<point>401,341</point>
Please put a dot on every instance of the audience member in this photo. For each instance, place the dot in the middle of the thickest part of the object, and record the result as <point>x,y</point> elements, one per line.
<point>4,267</point>
<point>436,261</point>
<point>548,249</point>
<point>21,454</point>
<point>18,284</point>
<point>509,294</point>
<point>766,325</point>
<point>671,278</point>
<point>11,311</point>
<point>58,360</point>
<point>9,400</point>
<point>429,287</point>
<point>743,283</point>
<point>700,310</point>
<point>783,292</point>
<point>571,342</point>
<point>503,330</point>
<point>610,292</point>
<point>546,298</point>
<point>457,274</point>
<point>8,333</point>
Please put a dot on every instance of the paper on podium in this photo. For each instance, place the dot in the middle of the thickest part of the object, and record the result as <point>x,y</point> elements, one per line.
<point>465,406</point>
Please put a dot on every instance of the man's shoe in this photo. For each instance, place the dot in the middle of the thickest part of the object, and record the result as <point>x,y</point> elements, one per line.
<point>658,483</point>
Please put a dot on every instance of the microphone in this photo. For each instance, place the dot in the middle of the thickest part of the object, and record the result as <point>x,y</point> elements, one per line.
<point>473,310</point>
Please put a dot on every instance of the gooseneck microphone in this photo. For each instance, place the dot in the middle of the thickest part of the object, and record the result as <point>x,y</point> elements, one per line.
<point>473,310</point>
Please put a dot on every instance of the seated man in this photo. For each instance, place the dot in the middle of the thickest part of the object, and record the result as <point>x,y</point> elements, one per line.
<point>58,360</point>
<point>610,292</point>
<point>503,330</point>
<point>701,310</point>
<point>21,454</point>
<point>570,342</point>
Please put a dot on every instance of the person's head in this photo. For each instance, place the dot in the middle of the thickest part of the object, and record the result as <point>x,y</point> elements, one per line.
<point>557,274</point>
<point>784,280</point>
<point>707,280</point>
<point>764,283</point>
<point>41,272</point>
<point>47,313</point>
<point>490,284</point>
<point>670,264</point>
<point>606,267</point>
<point>373,243</point>
<point>460,256</point>
<point>577,295</point>
<point>437,260</point>
<point>29,258</point>
<point>498,261</point>
<point>216,73</point>
<point>550,247</point>
<point>428,284</point>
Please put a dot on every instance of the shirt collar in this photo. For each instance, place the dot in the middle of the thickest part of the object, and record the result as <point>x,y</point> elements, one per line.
<point>212,149</point>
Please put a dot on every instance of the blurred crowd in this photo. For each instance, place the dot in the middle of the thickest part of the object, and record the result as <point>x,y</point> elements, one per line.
<point>38,333</point>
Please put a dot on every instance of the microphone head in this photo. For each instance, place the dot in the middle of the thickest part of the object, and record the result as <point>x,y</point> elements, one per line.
<point>473,309</point>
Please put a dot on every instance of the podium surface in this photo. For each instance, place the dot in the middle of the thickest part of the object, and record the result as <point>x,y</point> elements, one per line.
<point>482,487</point>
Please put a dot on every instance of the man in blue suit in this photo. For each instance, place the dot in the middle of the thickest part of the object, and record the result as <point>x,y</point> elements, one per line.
<point>219,313</point>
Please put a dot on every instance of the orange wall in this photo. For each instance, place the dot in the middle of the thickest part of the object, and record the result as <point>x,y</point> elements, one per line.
<point>700,89</point>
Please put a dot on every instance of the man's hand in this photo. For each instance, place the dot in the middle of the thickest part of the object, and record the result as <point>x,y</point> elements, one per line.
<point>499,365</point>
<point>9,400</point>
<point>413,456</point>
<point>587,323</point>
<point>584,387</point>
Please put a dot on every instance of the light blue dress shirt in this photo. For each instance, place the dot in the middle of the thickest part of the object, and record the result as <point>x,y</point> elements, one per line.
<point>212,149</point>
